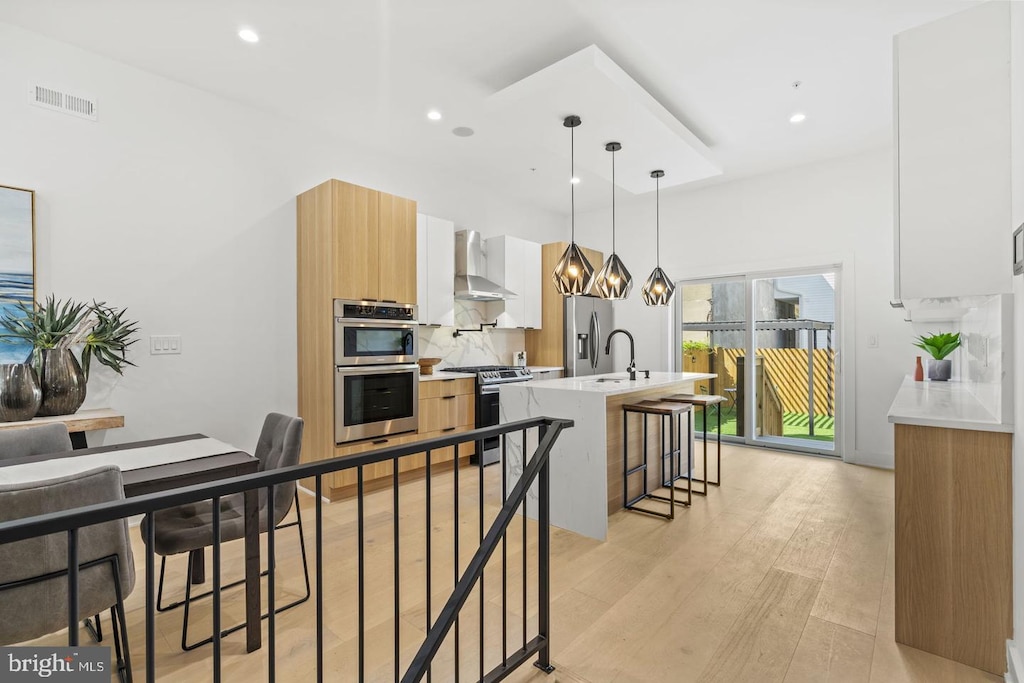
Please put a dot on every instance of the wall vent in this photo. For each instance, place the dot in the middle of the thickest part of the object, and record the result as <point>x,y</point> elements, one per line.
<point>65,102</point>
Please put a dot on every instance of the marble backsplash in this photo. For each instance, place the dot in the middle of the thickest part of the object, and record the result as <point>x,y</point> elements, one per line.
<point>490,347</point>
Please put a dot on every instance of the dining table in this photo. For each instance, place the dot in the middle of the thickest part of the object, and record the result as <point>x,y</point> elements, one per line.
<point>159,465</point>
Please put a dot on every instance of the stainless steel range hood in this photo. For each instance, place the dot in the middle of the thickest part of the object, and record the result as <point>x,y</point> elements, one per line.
<point>471,283</point>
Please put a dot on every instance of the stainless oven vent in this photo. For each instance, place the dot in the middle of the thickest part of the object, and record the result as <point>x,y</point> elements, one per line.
<point>471,283</point>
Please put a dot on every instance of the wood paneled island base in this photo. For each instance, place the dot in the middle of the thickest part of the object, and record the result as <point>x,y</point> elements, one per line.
<point>954,543</point>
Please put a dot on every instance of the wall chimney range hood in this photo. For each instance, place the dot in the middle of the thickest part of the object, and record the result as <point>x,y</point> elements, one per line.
<point>471,283</point>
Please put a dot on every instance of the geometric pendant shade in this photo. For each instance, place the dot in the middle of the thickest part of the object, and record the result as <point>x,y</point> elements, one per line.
<point>613,281</point>
<point>658,289</point>
<point>573,271</point>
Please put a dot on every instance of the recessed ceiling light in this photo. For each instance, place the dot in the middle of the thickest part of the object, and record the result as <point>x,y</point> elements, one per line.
<point>462,131</point>
<point>798,117</point>
<point>574,180</point>
<point>434,115</point>
<point>248,35</point>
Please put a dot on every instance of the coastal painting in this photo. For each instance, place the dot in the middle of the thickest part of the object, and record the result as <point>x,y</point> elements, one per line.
<point>17,262</point>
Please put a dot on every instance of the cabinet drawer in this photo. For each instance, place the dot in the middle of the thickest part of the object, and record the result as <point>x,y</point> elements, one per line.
<point>377,470</point>
<point>445,454</point>
<point>447,387</point>
<point>445,412</point>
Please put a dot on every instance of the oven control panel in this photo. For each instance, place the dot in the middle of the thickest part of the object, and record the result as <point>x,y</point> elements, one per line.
<point>373,310</point>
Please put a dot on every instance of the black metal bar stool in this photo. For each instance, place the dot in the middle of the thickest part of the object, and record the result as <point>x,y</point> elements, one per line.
<point>704,402</point>
<point>671,413</point>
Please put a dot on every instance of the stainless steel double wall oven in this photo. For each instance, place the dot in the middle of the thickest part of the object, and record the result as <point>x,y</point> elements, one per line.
<point>376,377</point>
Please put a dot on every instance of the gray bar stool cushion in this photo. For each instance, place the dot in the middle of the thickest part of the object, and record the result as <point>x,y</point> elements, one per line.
<point>36,609</point>
<point>24,441</point>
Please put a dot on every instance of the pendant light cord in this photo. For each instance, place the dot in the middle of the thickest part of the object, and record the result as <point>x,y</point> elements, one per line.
<point>657,217</point>
<point>613,201</point>
<point>572,178</point>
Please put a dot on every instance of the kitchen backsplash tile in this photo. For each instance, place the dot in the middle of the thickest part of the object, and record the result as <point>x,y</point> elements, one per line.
<point>490,347</point>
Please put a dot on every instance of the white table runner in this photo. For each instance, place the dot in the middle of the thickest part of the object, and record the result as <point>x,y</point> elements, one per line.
<point>126,459</point>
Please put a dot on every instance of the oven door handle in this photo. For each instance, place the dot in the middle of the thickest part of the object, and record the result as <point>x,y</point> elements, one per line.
<point>486,391</point>
<point>377,369</point>
<point>385,324</point>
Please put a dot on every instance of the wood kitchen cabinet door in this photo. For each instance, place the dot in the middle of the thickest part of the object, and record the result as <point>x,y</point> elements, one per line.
<point>397,249</point>
<point>356,217</point>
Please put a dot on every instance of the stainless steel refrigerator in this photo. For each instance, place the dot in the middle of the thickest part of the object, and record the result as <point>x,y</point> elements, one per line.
<point>588,321</point>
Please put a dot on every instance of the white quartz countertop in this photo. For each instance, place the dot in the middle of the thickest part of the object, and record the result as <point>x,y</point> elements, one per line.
<point>609,384</point>
<point>544,368</point>
<point>441,374</point>
<point>942,404</point>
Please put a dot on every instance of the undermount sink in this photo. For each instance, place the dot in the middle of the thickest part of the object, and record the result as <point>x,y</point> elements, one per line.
<point>614,380</point>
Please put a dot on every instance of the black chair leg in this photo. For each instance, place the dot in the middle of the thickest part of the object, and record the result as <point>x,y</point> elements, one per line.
<point>188,587</point>
<point>94,625</point>
<point>120,629</point>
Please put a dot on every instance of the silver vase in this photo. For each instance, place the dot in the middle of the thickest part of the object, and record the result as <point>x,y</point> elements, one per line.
<point>62,381</point>
<point>20,394</point>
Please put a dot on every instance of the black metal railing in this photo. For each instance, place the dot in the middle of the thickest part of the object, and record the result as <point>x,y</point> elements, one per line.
<point>441,631</point>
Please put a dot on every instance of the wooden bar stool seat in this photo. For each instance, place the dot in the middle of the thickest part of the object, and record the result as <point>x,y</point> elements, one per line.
<point>705,401</point>
<point>671,415</point>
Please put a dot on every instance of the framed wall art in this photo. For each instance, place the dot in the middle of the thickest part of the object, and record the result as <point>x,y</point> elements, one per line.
<point>17,259</point>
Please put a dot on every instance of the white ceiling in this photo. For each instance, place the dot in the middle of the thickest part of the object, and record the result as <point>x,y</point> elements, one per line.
<point>368,70</point>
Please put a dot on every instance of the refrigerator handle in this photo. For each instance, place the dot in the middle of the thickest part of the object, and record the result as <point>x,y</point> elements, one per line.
<point>595,336</point>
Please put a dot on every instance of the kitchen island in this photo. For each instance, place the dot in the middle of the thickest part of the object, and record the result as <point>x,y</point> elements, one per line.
<point>586,461</point>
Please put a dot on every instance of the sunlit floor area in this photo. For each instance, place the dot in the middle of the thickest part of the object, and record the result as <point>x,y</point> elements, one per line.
<point>784,573</point>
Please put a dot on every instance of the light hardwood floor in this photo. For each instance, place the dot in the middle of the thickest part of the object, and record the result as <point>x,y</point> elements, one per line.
<point>784,573</point>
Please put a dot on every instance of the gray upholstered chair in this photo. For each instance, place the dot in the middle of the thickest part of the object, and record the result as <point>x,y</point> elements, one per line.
<point>33,572</point>
<point>189,528</point>
<point>25,441</point>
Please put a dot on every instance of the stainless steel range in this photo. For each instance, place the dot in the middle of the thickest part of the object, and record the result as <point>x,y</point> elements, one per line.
<point>489,379</point>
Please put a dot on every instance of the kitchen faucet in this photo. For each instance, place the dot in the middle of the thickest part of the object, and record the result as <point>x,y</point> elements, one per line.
<point>632,351</point>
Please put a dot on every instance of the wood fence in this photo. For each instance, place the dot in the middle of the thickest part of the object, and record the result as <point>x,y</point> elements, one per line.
<point>786,370</point>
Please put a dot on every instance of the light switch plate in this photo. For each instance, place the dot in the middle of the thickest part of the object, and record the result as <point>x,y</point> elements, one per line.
<point>164,344</point>
<point>872,341</point>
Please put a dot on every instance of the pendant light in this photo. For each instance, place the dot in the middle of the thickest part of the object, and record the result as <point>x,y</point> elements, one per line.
<point>658,289</point>
<point>613,281</point>
<point>573,271</point>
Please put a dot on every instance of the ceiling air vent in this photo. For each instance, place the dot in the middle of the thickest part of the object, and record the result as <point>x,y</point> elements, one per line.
<point>58,100</point>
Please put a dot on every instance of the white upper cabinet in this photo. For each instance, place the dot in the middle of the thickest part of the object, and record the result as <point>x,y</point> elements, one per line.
<point>953,189</point>
<point>515,264</point>
<point>435,270</point>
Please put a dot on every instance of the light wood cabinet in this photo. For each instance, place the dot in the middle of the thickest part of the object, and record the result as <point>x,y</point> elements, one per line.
<point>435,270</point>
<point>515,264</point>
<point>954,543</point>
<point>546,345</point>
<point>353,230</point>
<point>953,168</point>
<point>396,258</point>
<point>351,243</point>
<point>447,387</point>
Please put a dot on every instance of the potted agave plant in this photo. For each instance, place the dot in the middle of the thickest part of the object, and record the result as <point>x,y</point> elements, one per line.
<point>939,346</point>
<point>53,328</point>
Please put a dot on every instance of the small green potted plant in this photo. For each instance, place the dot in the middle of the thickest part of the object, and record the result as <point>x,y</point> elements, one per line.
<point>53,327</point>
<point>939,346</point>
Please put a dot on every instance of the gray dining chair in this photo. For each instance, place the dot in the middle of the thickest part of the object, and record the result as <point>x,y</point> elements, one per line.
<point>33,572</point>
<point>24,441</point>
<point>189,528</point>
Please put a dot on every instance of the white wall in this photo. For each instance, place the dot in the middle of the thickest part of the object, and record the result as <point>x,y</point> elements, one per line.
<point>1017,176</point>
<point>836,212</point>
<point>180,205</point>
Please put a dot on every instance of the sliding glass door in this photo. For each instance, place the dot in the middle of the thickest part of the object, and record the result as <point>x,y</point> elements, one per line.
<point>714,334</point>
<point>787,322</point>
